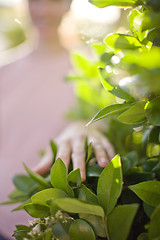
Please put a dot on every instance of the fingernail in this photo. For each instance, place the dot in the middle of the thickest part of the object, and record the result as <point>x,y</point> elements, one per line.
<point>103,160</point>
<point>83,176</point>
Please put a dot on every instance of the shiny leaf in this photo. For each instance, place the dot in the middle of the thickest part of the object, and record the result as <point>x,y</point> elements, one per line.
<point>122,41</point>
<point>110,185</point>
<point>118,3</point>
<point>148,191</point>
<point>58,177</point>
<point>43,196</point>
<point>135,114</point>
<point>78,206</point>
<point>153,111</point>
<point>120,221</point>
<point>110,110</point>
<point>154,226</point>
<point>36,177</point>
<point>37,211</point>
<point>80,229</point>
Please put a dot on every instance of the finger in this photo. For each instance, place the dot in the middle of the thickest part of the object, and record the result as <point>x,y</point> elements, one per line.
<point>108,147</point>
<point>45,164</point>
<point>78,155</point>
<point>100,153</point>
<point>64,152</point>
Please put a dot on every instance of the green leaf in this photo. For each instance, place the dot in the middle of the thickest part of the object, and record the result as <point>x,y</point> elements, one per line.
<point>143,59</point>
<point>148,191</point>
<point>96,222</point>
<point>12,201</point>
<point>43,196</point>
<point>118,3</point>
<point>110,110</point>
<point>153,111</point>
<point>54,149</point>
<point>80,229</point>
<point>150,165</point>
<point>153,34</point>
<point>17,195</point>
<point>110,185</point>
<point>149,20</point>
<point>148,209</point>
<point>89,96</point>
<point>61,228</point>
<point>23,227</point>
<point>98,47</point>
<point>132,16</point>
<point>37,211</point>
<point>22,234</point>
<point>73,77</point>
<point>135,114</point>
<point>129,161</point>
<point>89,153</point>
<point>58,177</point>
<point>75,177</point>
<point>154,4</point>
<point>120,220</point>
<point>143,236</point>
<point>48,235</point>
<point>133,158</point>
<point>94,170</point>
<point>125,165</point>
<point>111,87</point>
<point>21,206</point>
<point>154,226</point>
<point>24,183</point>
<point>154,135</point>
<point>85,194</point>
<point>53,207</point>
<point>135,26</point>
<point>36,177</point>
<point>145,138</point>
<point>135,175</point>
<point>122,41</point>
<point>78,206</point>
<point>83,65</point>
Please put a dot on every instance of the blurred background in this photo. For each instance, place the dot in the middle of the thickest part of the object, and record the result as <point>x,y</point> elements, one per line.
<point>84,22</point>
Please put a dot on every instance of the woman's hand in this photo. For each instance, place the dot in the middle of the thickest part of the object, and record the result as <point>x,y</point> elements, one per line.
<point>71,142</point>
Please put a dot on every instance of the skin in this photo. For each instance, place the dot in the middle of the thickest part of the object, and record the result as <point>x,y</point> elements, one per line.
<point>71,142</point>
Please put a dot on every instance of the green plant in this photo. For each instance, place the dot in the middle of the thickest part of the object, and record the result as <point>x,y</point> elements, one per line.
<point>13,33</point>
<point>123,200</point>
<point>67,209</point>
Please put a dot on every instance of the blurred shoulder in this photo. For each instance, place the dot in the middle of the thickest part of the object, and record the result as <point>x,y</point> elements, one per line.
<point>13,67</point>
<point>12,58</point>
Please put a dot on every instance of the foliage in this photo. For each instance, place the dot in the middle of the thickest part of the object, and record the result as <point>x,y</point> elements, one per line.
<point>12,31</point>
<point>66,209</point>
<point>91,96</point>
<point>136,61</point>
<point>122,201</point>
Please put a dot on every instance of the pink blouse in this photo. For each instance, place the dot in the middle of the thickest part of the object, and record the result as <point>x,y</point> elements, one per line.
<point>33,100</point>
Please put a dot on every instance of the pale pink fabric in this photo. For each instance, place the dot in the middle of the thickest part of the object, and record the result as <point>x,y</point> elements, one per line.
<point>33,101</point>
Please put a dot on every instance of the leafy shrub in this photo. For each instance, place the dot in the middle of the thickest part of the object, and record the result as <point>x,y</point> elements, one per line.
<point>67,209</point>
<point>123,200</point>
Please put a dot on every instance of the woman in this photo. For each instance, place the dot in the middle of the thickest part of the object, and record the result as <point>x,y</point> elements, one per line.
<point>34,98</point>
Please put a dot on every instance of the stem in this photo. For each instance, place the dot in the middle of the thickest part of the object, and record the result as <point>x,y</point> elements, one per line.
<point>106,229</point>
